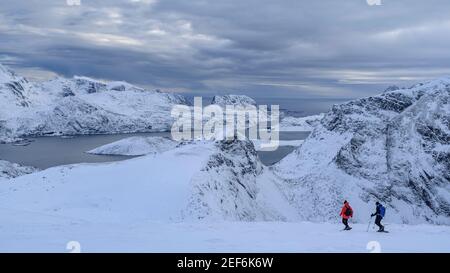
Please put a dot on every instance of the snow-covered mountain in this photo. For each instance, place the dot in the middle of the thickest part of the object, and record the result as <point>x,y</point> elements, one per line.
<point>136,205</point>
<point>235,186</point>
<point>79,106</point>
<point>394,147</point>
<point>236,100</point>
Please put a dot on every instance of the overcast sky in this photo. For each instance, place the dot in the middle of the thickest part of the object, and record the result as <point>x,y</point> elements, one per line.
<point>278,48</point>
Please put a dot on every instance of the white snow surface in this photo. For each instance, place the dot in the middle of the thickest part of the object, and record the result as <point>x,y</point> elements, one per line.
<point>199,180</point>
<point>219,199</point>
<point>23,231</point>
<point>135,146</point>
<point>141,188</point>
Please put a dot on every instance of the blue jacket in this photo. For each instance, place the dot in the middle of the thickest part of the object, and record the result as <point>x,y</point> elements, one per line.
<point>379,211</point>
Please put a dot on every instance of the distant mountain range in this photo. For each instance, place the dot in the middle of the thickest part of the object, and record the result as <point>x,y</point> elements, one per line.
<point>393,148</point>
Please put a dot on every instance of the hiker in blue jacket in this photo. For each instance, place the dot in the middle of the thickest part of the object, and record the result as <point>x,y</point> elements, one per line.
<point>379,213</point>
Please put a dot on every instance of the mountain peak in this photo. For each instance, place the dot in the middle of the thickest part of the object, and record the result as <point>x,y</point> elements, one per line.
<point>392,88</point>
<point>5,74</point>
<point>238,100</point>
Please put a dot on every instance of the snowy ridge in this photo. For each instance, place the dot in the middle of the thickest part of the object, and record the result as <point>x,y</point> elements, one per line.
<point>79,106</point>
<point>235,186</point>
<point>141,189</point>
<point>13,89</point>
<point>236,100</point>
<point>302,124</point>
<point>136,205</point>
<point>134,146</point>
<point>213,180</point>
<point>394,147</point>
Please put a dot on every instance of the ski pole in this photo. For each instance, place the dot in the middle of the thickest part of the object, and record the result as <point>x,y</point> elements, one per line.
<point>370,221</point>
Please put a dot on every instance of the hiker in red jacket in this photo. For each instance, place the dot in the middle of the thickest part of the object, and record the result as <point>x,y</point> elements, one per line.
<point>346,212</point>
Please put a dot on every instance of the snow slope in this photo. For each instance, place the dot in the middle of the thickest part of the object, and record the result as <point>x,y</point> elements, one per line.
<point>142,205</point>
<point>394,147</point>
<point>135,146</point>
<point>29,232</point>
<point>144,188</point>
<point>79,106</point>
<point>202,180</point>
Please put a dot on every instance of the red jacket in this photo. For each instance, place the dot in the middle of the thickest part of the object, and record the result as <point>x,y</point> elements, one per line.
<point>344,208</point>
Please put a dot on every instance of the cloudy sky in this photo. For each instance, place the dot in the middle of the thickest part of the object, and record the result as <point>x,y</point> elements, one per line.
<point>278,48</point>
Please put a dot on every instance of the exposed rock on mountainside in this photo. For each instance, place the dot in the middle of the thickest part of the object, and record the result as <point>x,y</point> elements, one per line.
<point>394,147</point>
<point>79,106</point>
<point>12,170</point>
<point>236,100</point>
<point>235,186</point>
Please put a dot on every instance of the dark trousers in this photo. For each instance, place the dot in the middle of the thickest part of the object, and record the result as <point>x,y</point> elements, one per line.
<point>345,222</point>
<point>378,222</point>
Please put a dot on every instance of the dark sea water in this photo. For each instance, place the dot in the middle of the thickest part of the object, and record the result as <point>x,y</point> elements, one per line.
<point>45,152</point>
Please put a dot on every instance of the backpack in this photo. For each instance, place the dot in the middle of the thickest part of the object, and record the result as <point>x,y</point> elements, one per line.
<point>348,212</point>
<point>382,210</point>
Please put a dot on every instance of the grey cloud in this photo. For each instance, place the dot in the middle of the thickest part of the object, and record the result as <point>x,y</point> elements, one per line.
<point>263,48</point>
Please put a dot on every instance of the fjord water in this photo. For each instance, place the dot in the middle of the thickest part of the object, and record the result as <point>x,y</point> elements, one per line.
<point>46,152</point>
